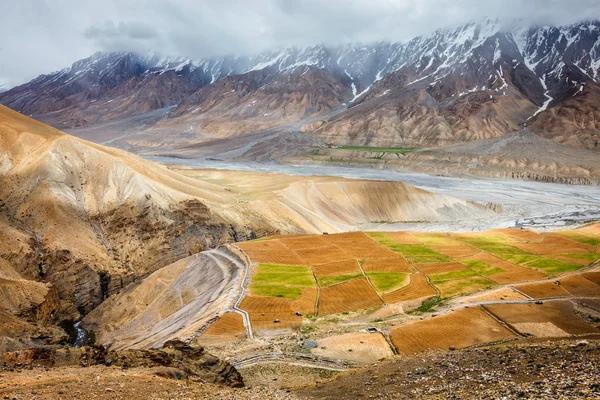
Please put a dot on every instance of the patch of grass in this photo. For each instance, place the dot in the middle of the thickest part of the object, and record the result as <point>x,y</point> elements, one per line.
<point>428,306</point>
<point>591,257</point>
<point>325,281</point>
<point>416,250</point>
<point>429,259</point>
<point>451,275</point>
<point>482,268</point>
<point>519,259</point>
<point>455,287</point>
<point>554,267</point>
<point>381,238</point>
<point>434,238</point>
<point>283,275</point>
<point>483,240</point>
<point>580,237</point>
<point>267,290</point>
<point>418,253</point>
<point>396,150</point>
<point>384,281</point>
<point>263,239</point>
<point>413,252</point>
<point>504,249</point>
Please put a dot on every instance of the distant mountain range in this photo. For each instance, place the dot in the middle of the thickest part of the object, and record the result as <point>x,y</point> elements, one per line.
<point>480,80</point>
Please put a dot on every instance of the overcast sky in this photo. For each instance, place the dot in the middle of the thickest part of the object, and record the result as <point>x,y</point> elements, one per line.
<point>40,36</point>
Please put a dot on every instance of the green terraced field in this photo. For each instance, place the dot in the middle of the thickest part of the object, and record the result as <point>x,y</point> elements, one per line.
<point>325,281</point>
<point>269,290</point>
<point>388,281</point>
<point>416,253</point>
<point>396,150</point>
<point>454,287</point>
<point>591,257</point>
<point>519,259</point>
<point>283,275</point>
<point>482,268</point>
<point>553,267</point>
<point>580,237</point>
<point>435,278</point>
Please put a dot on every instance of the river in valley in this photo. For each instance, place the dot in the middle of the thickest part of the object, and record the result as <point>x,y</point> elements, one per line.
<point>524,203</point>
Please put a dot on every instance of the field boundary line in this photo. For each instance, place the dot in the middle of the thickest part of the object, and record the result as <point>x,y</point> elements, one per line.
<point>501,322</point>
<point>370,283</point>
<point>243,282</point>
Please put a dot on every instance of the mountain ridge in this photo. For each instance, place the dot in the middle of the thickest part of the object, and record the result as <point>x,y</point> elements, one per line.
<point>528,71</point>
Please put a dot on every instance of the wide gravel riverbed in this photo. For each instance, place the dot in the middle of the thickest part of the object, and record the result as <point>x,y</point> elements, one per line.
<point>524,203</point>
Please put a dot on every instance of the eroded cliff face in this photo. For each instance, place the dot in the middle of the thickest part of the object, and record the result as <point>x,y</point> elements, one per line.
<point>79,222</point>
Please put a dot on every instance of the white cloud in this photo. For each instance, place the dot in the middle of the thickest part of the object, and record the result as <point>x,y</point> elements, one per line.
<point>38,36</point>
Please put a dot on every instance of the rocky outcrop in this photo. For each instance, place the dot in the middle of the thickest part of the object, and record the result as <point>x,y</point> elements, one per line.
<point>175,360</point>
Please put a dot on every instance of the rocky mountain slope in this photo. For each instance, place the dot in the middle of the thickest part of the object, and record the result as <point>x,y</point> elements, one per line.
<point>79,221</point>
<point>476,81</point>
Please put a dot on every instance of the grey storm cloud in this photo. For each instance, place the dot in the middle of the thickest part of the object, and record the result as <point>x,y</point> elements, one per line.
<point>132,30</point>
<point>38,36</point>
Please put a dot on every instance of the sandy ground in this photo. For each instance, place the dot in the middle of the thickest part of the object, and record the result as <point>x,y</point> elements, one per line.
<point>99,382</point>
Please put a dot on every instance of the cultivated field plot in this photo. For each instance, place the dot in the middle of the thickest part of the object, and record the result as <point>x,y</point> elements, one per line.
<point>458,329</point>
<point>403,238</point>
<point>436,239</point>
<point>582,259</point>
<point>358,245</point>
<point>393,264</point>
<point>499,270</point>
<point>418,288</point>
<point>455,251</point>
<point>305,242</point>
<point>358,271</point>
<point>356,294</point>
<point>520,235</point>
<point>388,281</point>
<point>551,319</point>
<point>358,347</point>
<point>337,268</point>
<point>272,314</point>
<point>441,268</point>
<point>593,276</point>
<point>459,286</point>
<point>552,245</point>
<point>542,290</point>
<point>322,255</point>
<point>590,229</point>
<point>580,237</point>
<point>271,251</point>
<point>580,286</point>
<point>229,328</point>
<point>566,286</point>
<point>502,294</point>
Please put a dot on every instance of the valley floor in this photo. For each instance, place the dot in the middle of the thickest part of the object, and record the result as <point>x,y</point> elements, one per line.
<point>529,204</point>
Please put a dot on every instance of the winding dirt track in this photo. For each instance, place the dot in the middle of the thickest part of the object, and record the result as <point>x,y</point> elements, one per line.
<point>174,302</point>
